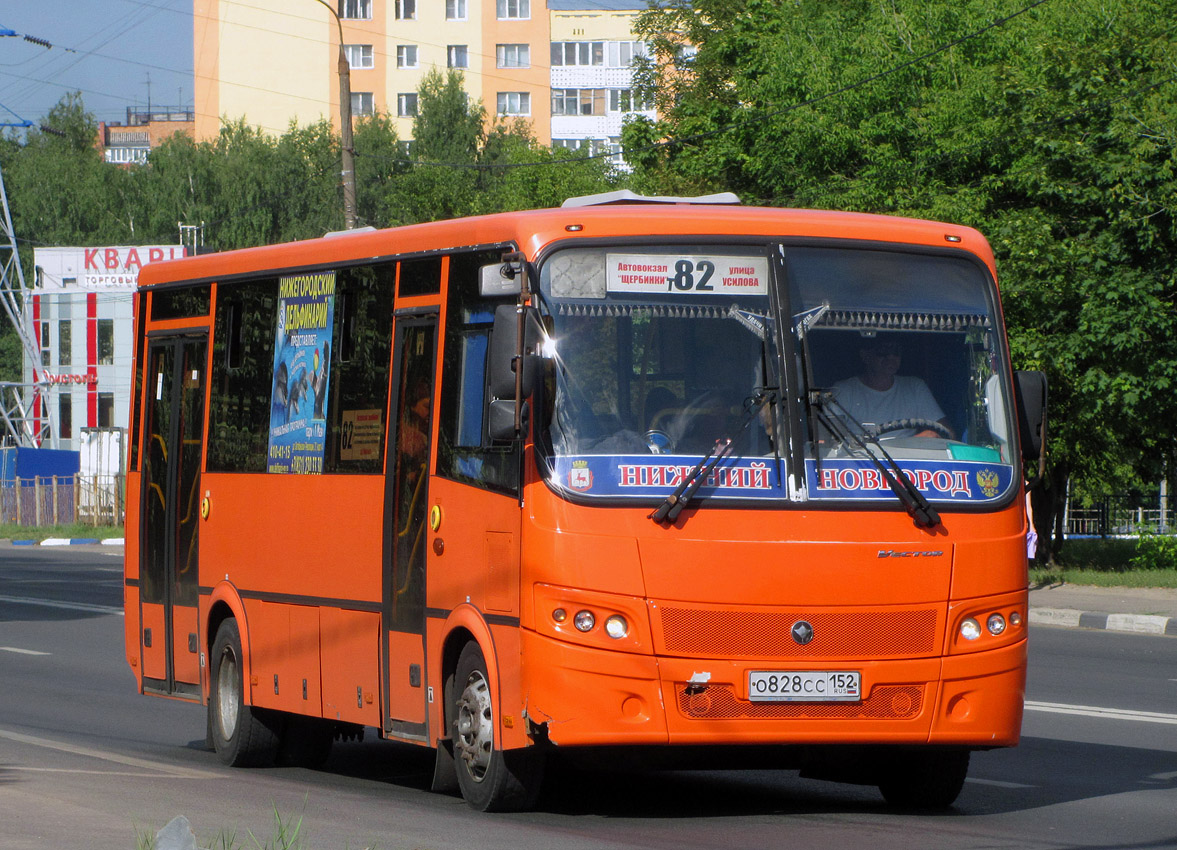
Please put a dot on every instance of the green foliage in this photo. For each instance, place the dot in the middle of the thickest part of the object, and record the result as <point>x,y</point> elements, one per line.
<point>1155,552</point>
<point>1052,132</point>
<point>250,188</point>
<point>1112,562</point>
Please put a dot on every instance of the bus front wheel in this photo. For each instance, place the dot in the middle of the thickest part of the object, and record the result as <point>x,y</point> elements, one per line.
<point>925,778</point>
<point>491,779</point>
<point>242,735</point>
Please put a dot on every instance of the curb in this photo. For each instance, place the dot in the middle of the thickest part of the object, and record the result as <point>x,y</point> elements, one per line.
<point>70,541</point>
<point>1145,624</point>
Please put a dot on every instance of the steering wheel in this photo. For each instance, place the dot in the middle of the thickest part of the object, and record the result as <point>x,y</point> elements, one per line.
<point>914,424</point>
<point>659,442</point>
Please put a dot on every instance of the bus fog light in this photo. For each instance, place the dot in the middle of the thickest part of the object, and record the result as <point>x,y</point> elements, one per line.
<point>616,627</point>
<point>995,624</point>
<point>560,615</point>
<point>970,629</point>
<point>584,621</point>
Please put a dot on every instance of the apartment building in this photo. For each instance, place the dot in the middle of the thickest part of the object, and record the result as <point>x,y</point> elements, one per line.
<point>130,142</point>
<point>561,64</point>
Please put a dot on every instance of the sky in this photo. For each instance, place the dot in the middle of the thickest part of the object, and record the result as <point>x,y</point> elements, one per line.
<point>117,53</point>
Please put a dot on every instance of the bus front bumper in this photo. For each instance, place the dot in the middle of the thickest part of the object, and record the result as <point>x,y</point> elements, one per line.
<point>578,696</point>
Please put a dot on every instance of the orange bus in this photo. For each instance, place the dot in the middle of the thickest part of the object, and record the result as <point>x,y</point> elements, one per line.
<point>596,480</point>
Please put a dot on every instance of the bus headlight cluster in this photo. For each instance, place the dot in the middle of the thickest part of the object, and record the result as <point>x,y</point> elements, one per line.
<point>616,626</point>
<point>995,624</point>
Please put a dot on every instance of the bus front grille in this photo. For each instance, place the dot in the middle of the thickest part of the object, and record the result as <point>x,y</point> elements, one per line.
<point>719,702</point>
<point>720,633</point>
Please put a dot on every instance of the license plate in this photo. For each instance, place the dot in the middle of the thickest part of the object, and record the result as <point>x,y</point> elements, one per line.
<point>804,686</point>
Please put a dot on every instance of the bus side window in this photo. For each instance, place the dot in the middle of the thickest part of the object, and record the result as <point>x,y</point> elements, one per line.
<point>465,452</point>
<point>242,376</point>
<point>358,392</point>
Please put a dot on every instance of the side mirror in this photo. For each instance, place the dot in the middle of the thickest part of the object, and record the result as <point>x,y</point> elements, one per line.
<point>499,280</point>
<point>500,420</point>
<point>1030,400</point>
<point>505,356</point>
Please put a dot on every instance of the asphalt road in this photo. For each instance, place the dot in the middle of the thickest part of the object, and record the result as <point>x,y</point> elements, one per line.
<point>87,762</point>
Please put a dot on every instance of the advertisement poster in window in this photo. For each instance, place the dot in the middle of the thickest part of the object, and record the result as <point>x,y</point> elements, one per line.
<point>302,357</point>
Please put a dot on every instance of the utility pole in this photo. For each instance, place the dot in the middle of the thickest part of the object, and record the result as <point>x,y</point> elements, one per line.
<point>347,147</point>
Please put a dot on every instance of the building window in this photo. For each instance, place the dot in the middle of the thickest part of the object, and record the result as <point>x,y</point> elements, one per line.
<point>626,100</point>
<point>406,104</point>
<point>517,9</point>
<point>685,56</point>
<point>359,56</point>
<point>578,53</point>
<point>106,410</point>
<point>64,345</point>
<point>362,103</point>
<point>457,56</point>
<point>578,101</point>
<point>455,10</point>
<point>360,10</point>
<point>514,103</point>
<point>106,342</point>
<point>405,10</point>
<point>513,55</point>
<point>65,416</point>
<point>406,56</point>
<point>622,53</point>
<point>125,156</point>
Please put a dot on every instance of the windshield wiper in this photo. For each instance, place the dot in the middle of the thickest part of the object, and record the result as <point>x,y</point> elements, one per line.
<point>913,501</point>
<point>669,510</point>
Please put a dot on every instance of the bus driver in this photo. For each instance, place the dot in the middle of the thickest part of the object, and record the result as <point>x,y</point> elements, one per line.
<point>878,394</point>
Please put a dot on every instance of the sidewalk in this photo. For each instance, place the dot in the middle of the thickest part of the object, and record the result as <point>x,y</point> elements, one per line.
<point>1142,610</point>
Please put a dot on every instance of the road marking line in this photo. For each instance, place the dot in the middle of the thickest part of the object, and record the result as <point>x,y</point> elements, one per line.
<point>129,773</point>
<point>17,649</point>
<point>1108,713</point>
<point>154,768</point>
<point>997,783</point>
<point>71,606</point>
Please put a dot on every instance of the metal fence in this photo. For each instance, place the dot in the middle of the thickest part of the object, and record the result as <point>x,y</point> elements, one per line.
<point>64,500</point>
<point>1115,517</point>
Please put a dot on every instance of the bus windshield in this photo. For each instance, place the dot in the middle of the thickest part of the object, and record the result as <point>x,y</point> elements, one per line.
<point>902,352</point>
<point>657,352</point>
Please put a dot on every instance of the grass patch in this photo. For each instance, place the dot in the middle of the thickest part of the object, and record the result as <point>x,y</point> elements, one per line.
<point>1111,563</point>
<point>11,531</point>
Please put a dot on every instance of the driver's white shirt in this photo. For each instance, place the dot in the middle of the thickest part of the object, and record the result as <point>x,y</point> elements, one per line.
<point>908,398</point>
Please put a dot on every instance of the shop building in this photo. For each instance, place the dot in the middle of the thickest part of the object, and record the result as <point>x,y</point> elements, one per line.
<point>82,317</point>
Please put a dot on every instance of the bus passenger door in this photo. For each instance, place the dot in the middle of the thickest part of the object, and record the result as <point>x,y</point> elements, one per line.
<point>171,511</point>
<point>406,506</point>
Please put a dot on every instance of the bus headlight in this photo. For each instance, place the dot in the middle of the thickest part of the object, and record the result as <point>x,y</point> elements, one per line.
<point>995,624</point>
<point>616,627</point>
<point>584,621</point>
<point>970,629</point>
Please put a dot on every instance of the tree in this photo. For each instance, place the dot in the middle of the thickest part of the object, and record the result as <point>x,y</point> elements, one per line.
<point>66,192</point>
<point>463,166</point>
<point>1051,129</point>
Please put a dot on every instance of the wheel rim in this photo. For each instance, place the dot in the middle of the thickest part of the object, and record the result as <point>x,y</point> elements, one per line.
<point>228,693</point>
<point>475,739</point>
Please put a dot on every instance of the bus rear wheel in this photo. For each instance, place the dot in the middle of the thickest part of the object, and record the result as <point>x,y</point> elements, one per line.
<point>491,779</point>
<point>242,735</point>
<point>925,779</point>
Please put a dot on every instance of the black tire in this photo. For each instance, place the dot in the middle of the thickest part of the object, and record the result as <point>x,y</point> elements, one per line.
<point>242,735</point>
<point>925,779</point>
<point>490,779</point>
